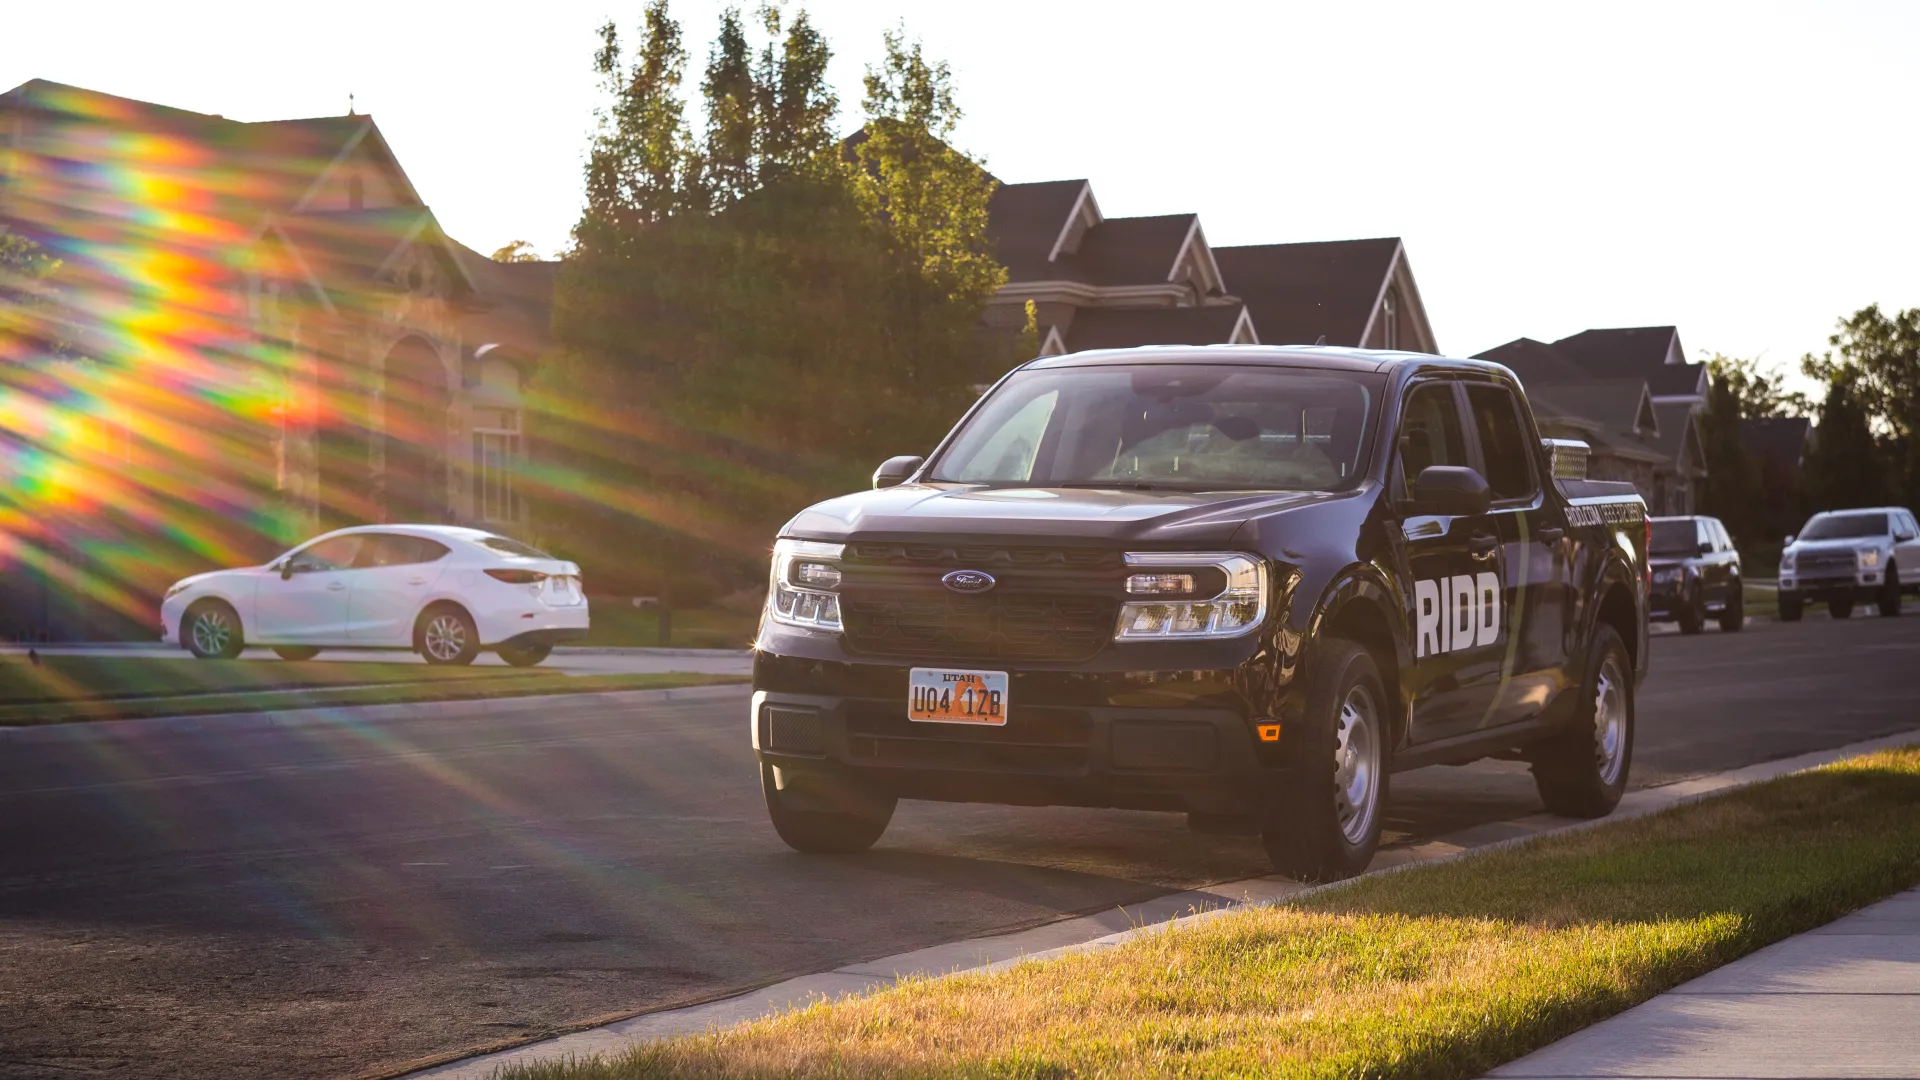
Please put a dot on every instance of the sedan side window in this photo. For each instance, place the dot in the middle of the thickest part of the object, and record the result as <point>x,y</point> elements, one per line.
<point>388,549</point>
<point>1429,433</point>
<point>336,553</point>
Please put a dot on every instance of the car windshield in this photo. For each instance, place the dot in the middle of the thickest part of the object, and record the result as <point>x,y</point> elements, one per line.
<point>505,546</point>
<point>1676,537</point>
<point>1845,526</point>
<point>1177,426</point>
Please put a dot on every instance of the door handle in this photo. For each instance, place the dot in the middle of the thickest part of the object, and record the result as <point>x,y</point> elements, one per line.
<point>1551,534</point>
<point>336,586</point>
<point>1482,544</point>
<point>416,581</point>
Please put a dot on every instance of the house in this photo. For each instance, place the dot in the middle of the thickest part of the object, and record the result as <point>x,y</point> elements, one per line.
<point>283,337</point>
<point>1631,396</point>
<point>1100,282</point>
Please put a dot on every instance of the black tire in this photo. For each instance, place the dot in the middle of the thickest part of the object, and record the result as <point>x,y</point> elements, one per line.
<point>1324,823</point>
<point>211,630</point>
<point>1841,609</point>
<point>1693,617</point>
<point>524,655</point>
<point>1582,771</point>
<point>296,652</point>
<point>445,636</point>
<point>820,817</point>
<point>1733,614</point>
<point>1890,593</point>
<point>1790,607</point>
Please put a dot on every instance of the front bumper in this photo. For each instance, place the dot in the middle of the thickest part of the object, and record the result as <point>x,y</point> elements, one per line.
<point>1145,740</point>
<point>1830,586</point>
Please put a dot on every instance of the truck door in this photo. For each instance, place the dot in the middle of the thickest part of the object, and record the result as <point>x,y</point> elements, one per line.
<point>1532,647</point>
<point>1452,567</point>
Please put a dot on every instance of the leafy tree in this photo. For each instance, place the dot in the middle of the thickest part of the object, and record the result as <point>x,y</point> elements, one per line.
<point>516,251</point>
<point>1846,466</point>
<point>1759,393</point>
<point>1732,490</point>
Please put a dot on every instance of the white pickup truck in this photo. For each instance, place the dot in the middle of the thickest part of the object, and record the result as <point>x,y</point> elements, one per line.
<point>1849,556</point>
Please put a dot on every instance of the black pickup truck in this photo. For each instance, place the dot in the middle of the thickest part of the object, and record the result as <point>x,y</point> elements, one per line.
<point>1246,583</point>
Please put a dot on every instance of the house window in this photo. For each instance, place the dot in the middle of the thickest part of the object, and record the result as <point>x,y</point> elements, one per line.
<point>496,453</point>
<point>1390,321</point>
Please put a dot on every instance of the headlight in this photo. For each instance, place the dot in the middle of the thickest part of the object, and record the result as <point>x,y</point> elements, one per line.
<point>1669,575</point>
<point>1195,596</point>
<point>1786,562</point>
<point>800,593</point>
<point>1869,559</point>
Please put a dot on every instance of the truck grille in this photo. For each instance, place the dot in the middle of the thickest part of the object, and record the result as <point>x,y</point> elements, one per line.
<point>1049,604</point>
<point>1825,564</point>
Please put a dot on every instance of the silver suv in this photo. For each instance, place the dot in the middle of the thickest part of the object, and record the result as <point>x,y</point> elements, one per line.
<point>1844,556</point>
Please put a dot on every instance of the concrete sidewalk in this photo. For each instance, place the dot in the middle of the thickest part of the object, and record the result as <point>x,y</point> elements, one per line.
<point>572,660</point>
<point>1840,1001</point>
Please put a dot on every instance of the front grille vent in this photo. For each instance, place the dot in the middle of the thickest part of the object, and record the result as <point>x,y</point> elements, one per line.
<point>1826,562</point>
<point>795,731</point>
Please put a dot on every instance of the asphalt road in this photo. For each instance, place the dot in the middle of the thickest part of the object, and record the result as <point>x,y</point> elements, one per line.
<point>348,900</point>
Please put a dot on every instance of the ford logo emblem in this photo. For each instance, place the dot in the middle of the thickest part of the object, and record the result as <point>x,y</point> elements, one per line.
<point>969,581</point>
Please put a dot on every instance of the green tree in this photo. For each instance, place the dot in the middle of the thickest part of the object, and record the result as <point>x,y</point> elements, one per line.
<point>1846,466</point>
<point>516,251</point>
<point>1759,393</point>
<point>1731,491</point>
<point>1884,350</point>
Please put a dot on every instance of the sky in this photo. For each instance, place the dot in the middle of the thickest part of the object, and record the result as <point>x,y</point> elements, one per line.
<point>1745,171</point>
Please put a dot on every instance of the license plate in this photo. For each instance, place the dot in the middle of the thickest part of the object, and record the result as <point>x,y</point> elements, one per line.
<point>943,696</point>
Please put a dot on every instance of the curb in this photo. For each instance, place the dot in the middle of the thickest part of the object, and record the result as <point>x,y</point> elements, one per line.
<point>341,716</point>
<point>1108,929</point>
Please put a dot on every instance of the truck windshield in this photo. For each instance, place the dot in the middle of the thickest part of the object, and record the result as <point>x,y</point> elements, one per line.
<point>1845,526</point>
<point>1178,426</point>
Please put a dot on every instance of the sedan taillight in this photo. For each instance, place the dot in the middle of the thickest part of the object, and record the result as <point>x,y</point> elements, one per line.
<point>518,577</point>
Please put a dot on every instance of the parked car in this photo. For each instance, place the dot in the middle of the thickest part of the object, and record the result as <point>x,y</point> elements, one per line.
<point>445,592</point>
<point>1696,573</point>
<point>1849,556</point>
<point>1246,583</point>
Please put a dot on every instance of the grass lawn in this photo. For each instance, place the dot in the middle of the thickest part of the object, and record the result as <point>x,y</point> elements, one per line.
<point>69,688</point>
<point>1438,971</point>
<point>695,628</point>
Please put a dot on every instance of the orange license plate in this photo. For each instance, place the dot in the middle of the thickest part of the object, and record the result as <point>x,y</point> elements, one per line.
<point>945,696</point>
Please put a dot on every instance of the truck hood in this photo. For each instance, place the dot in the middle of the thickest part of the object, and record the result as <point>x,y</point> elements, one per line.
<point>915,511</point>
<point>1851,543</point>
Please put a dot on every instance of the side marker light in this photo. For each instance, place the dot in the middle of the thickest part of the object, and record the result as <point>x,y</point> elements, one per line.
<point>1268,732</point>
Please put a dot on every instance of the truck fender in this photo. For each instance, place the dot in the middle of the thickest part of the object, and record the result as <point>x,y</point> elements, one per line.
<point>1615,573</point>
<point>1361,602</point>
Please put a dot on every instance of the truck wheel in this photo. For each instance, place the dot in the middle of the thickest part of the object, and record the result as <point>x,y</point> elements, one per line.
<point>1325,821</point>
<point>1890,592</point>
<point>1790,607</point>
<point>826,818</point>
<point>1733,614</point>
<point>1840,609</point>
<point>1693,616</point>
<point>1582,771</point>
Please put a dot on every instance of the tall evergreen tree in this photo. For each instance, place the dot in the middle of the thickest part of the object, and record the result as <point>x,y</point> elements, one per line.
<point>1732,488</point>
<point>1846,466</point>
<point>732,99</point>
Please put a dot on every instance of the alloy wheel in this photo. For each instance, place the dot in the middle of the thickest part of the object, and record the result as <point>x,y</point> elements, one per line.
<point>1356,758</point>
<point>212,631</point>
<point>446,637</point>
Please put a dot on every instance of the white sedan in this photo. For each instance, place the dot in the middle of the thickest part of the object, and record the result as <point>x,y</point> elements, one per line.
<point>442,591</point>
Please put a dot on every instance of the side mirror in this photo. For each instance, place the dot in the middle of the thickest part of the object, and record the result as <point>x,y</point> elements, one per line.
<point>286,570</point>
<point>1706,548</point>
<point>1788,542</point>
<point>895,470</point>
<point>1454,490</point>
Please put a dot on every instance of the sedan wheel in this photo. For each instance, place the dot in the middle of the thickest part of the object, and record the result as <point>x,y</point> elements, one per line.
<point>213,631</point>
<point>447,636</point>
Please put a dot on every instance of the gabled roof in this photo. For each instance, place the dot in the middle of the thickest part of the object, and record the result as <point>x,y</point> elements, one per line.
<point>1623,405</point>
<point>1128,251</point>
<point>514,308</point>
<point>1025,221</point>
<point>346,251</point>
<point>1781,439</point>
<point>1679,438</point>
<point>1301,292</point>
<point>1638,350</point>
<point>1119,328</point>
<point>1536,363</point>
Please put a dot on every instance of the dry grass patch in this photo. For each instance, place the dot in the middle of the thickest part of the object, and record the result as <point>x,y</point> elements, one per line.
<point>1438,971</point>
